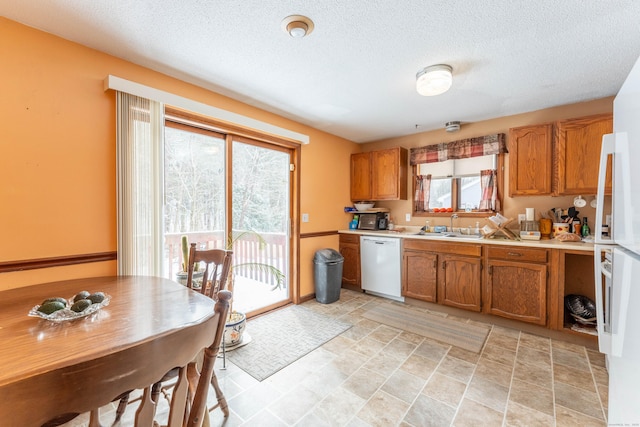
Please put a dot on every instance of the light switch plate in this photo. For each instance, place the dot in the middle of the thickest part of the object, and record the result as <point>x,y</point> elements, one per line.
<point>521,218</point>
<point>407,217</point>
<point>305,217</point>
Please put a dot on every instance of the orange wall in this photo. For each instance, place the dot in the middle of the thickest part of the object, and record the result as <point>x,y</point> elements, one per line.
<point>512,206</point>
<point>57,168</point>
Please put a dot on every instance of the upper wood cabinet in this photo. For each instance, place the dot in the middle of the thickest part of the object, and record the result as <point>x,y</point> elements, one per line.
<point>578,143</point>
<point>530,165</point>
<point>361,176</point>
<point>379,175</point>
<point>558,159</point>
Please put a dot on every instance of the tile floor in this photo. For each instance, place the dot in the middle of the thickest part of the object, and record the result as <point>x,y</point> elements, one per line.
<point>376,375</point>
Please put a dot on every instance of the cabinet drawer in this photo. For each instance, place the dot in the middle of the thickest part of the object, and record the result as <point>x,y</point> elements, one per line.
<point>515,253</point>
<point>468,249</point>
<point>349,238</point>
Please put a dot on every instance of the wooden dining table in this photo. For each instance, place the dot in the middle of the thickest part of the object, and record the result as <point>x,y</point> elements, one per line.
<point>150,326</point>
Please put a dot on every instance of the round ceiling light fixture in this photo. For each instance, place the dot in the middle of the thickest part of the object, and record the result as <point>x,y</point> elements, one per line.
<point>434,80</point>
<point>297,26</point>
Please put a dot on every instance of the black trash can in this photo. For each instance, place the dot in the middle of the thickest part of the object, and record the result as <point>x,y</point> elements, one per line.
<point>327,275</point>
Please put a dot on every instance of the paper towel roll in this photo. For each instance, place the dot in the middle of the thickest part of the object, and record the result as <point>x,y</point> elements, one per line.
<point>530,214</point>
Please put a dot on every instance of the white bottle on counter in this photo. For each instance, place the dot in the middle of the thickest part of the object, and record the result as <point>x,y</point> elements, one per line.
<point>390,226</point>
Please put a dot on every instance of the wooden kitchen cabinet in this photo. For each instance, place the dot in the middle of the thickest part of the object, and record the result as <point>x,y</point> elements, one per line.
<point>361,176</point>
<point>420,272</point>
<point>577,154</point>
<point>349,248</point>
<point>558,159</point>
<point>460,282</point>
<point>443,272</point>
<point>379,175</point>
<point>530,165</point>
<point>575,274</point>
<point>516,283</point>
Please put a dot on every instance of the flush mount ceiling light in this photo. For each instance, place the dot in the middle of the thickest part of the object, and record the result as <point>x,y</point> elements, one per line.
<point>434,80</point>
<point>297,26</point>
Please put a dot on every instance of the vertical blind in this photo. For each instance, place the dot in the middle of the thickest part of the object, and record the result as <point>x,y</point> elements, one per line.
<point>139,158</point>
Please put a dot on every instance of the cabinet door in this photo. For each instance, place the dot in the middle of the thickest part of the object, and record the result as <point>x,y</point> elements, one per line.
<point>389,174</point>
<point>351,265</point>
<point>459,284</point>
<point>530,165</point>
<point>578,143</point>
<point>361,177</point>
<point>517,290</point>
<point>420,274</point>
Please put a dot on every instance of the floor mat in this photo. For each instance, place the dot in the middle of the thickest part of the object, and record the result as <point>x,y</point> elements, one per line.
<point>448,331</point>
<point>282,337</point>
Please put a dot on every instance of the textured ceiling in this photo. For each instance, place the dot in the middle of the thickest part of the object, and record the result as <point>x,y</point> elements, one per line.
<point>354,76</point>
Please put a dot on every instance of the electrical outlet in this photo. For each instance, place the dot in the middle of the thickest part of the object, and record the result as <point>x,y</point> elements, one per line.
<point>521,218</point>
<point>407,217</point>
<point>305,217</point>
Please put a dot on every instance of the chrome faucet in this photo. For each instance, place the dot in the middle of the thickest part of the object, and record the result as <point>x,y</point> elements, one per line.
<point>454,216</point>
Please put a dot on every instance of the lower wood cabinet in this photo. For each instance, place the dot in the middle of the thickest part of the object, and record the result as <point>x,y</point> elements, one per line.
<point>516,283</point>
<point>442,272</point>
<point>460,282</point>
<point>350,250</point>
<point>420,271</point>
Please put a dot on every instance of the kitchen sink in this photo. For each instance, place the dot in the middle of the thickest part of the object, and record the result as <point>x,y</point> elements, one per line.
<point>449,235</point>
<point>461,236</point>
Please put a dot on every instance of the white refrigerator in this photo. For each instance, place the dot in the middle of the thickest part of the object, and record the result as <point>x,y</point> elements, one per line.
<point>617,258</point>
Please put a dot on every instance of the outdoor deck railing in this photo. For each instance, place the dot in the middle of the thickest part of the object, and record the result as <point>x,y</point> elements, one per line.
<point>246,250</point>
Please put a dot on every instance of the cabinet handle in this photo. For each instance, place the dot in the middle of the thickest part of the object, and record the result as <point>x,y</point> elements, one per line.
<point>514,254</point>
<point>444,265</point>
<point>435,264</point>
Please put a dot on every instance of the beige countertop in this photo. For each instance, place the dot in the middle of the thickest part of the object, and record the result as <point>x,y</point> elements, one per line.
<point>410,233</point>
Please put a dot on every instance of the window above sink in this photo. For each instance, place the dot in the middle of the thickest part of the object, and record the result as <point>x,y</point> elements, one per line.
<point>461,177</point>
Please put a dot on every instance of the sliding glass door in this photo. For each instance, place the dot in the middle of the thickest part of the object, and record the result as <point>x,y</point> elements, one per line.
<point>226,191</point>
<point>260,224</point>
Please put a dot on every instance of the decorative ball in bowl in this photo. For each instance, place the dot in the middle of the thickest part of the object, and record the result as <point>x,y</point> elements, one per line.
<point>363,206</point>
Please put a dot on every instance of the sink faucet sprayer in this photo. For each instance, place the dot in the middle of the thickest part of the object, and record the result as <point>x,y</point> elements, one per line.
<point>454,216</point>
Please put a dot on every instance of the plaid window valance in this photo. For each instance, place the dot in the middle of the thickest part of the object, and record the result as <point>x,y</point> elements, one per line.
<point>462,149</point>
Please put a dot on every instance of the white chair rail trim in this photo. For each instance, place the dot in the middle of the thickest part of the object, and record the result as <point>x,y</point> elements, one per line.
<point>133,88</point>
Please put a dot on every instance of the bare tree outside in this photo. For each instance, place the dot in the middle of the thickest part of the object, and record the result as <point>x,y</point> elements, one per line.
<point>260,189</point>
<point>194,182</point>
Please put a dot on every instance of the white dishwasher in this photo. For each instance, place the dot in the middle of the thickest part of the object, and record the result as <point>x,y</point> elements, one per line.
<point>380,260</point>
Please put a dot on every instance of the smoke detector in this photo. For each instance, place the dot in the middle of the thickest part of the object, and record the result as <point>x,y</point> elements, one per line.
<point>452,126</point>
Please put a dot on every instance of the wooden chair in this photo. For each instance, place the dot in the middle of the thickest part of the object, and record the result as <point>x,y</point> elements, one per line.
<point>216,271</point>
<point>217,264</point>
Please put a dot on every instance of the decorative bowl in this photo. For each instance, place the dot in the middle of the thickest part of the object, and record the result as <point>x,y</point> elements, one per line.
<point>67,314</point>
<point>363,206</point>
